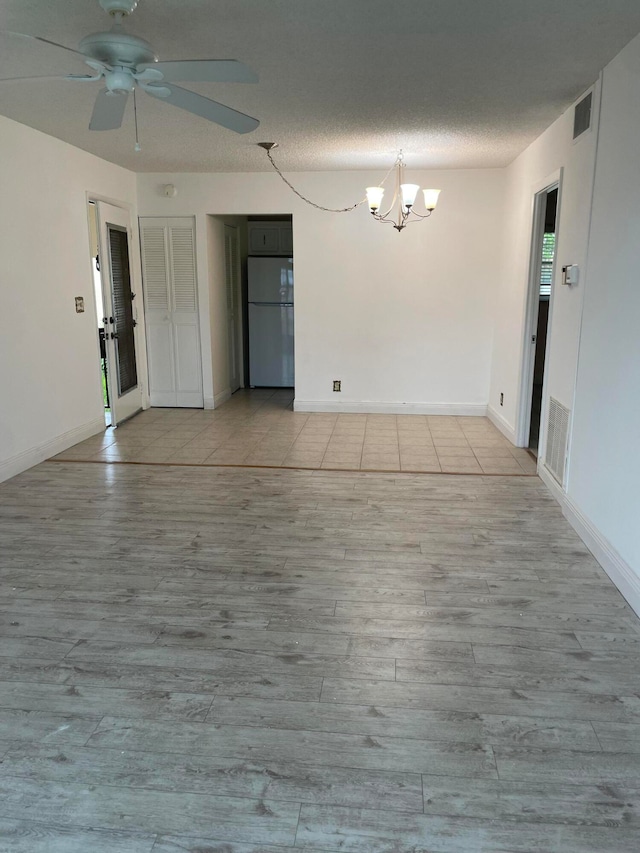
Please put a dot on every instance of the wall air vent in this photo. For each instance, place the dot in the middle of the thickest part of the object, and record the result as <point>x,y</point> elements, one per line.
<point>557,434</point>
<point>582,116</point>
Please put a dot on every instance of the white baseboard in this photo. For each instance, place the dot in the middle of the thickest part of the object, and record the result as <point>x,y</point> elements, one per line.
<point>623,576</point>
<point>499,421</point>
<point>221,398</point>
<point>209,403</point>
<point>365,407</point>
<point>34,455</point>
<point>552,484</point>
<point>620,572</point>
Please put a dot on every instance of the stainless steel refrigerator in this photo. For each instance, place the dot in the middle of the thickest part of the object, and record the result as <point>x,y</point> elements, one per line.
<point>270,322</point>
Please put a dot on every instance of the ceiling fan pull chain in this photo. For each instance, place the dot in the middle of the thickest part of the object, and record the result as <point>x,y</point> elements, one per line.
<point>137,147</point>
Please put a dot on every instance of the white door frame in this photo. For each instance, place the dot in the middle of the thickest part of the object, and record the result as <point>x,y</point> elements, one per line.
<point>136,283</point>
<point>530,326</point>
<point>234,311</point>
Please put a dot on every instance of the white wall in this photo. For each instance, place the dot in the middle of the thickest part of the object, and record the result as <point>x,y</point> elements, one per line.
<point>404,320</point>
<point>604,472</point>
<point>552,152</point>
<point>50,395</point>
<point>593,363</point>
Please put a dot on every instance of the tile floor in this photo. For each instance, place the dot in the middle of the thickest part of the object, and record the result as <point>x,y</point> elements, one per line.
<point>259,428</point>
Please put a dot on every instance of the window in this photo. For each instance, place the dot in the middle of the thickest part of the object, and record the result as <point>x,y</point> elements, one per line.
<point>546,263</point>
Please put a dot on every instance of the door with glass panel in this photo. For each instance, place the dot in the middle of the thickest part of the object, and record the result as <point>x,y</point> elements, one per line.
<point>120,312</point>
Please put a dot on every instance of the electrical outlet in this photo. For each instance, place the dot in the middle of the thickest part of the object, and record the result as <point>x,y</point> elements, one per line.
<point>501,399</point>
<point>337,384</point>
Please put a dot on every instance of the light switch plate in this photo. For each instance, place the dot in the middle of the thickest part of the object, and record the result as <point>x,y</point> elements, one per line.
<point>570,274</point>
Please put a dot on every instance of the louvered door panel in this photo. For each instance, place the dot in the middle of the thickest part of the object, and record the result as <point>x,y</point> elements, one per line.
<point>171,299</point>
<point>154,260</point>
<point>183,268</point>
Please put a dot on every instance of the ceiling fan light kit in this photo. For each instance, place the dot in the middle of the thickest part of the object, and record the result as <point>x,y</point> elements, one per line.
<point>118,7</point>
<point>404,195</point>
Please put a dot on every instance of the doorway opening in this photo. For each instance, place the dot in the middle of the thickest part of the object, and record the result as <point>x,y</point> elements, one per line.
<point>116,312</point>
<point>99,303</point>
<point>253,278</point>
<point>541,284</point>
<point>270,302</point>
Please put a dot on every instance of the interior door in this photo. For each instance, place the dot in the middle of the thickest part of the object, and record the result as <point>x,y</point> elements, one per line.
<point>171,311</point>
<point>120,311</point>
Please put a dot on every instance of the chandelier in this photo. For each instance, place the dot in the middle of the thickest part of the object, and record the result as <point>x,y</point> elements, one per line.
<point>404,195</point>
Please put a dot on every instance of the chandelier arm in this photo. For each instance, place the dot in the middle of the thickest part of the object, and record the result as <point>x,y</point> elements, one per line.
<point>421,215</point>
<point>308,201</point>
<point>393,200</point>
<point>384,219</point>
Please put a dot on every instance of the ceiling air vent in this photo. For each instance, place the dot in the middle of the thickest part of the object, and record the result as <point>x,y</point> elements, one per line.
<point>557,433</point>
<point>582,116</point>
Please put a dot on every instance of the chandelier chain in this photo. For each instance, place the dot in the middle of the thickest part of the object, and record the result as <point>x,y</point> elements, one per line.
<point>312,203</point>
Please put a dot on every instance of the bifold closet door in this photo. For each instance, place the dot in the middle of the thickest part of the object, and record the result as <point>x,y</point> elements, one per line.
<point>171,311</point>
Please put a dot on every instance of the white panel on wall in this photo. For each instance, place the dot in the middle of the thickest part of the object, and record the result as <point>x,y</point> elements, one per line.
<point>187,350</point>
<point>159,342</point>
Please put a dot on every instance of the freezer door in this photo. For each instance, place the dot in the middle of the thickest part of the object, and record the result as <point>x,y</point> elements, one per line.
<point>270,279</point>
<point>271,346</point>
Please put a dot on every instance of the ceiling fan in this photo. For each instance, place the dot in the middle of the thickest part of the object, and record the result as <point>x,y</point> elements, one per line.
<point>126,61</point>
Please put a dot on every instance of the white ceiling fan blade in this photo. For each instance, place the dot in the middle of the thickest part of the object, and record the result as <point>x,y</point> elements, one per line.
<point>149,75</point>
<point>206,108</point>
<point>46,77</point>
<point>108,111</point>
<point>155,90</point>
<point>43,40</point>
<point>203,71</point>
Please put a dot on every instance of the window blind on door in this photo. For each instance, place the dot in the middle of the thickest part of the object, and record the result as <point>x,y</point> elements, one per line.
<point>122,309</point>
<point>546,263</point>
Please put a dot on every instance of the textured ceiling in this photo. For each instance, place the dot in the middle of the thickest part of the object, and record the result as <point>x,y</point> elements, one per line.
<point>343,83</point>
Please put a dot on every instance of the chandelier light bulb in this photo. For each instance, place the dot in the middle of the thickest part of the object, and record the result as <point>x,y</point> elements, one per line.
<point>374,197</point>
<point>409,193</point>
<point>431,198</point>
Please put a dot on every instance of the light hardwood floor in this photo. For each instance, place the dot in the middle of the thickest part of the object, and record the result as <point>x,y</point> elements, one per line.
<point>215,660</point>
